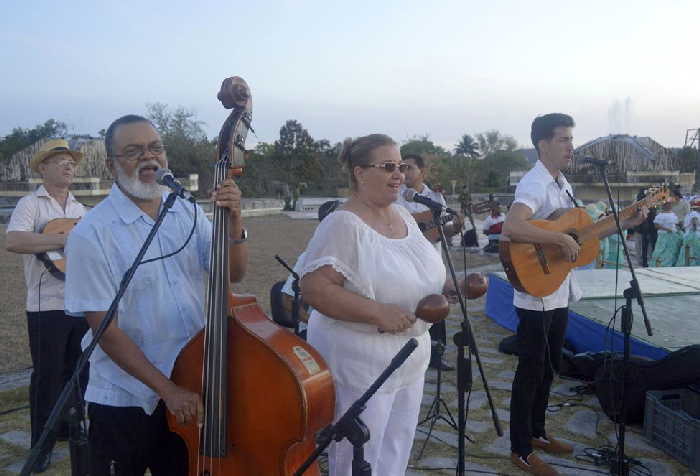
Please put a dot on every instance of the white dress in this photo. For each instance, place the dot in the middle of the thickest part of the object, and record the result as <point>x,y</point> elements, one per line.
<point>391,271</point>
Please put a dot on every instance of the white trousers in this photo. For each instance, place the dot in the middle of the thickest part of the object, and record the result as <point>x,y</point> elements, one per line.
<point>391,419</point>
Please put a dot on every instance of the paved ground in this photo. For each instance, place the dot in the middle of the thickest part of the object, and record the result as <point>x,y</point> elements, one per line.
<point>582,422</point>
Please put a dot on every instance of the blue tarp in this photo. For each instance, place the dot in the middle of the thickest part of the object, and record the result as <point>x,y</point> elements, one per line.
<point>584,334</point>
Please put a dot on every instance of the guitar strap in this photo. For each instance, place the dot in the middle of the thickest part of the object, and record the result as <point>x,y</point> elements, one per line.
<point>571,197</point>
<point>573,200</point>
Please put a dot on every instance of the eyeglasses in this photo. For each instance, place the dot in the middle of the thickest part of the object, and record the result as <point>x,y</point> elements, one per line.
<point>62,162</point>
<point>135,152</point>
<point>390,167</point>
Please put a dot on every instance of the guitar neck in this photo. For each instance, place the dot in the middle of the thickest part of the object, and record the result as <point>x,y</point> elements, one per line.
<point>606,226</point>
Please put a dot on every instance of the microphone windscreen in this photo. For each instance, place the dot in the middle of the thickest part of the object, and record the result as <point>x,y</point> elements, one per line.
<point>161,174</point>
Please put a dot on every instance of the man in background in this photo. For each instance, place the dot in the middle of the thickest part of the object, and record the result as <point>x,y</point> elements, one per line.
<point>415,180</point>
<point>54,337</point>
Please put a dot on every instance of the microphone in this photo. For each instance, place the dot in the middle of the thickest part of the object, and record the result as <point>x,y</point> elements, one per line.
<point>165,177</point>
<point>413,196</point>
<point>596,162</point>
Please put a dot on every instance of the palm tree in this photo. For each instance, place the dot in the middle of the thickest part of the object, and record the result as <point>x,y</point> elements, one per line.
<point>467,147</point>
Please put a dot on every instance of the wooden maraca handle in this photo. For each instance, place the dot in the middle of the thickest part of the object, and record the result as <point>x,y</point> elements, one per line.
<point>433,308</point>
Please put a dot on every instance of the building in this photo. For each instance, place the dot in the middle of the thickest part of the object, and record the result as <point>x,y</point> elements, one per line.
<point>633,163</point>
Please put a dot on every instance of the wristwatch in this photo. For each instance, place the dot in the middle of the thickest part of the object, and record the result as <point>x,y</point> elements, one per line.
<point>243,238</point>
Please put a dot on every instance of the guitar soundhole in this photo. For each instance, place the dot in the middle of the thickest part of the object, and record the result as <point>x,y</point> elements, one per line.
<point>542,259</point>
<point>574,235</point>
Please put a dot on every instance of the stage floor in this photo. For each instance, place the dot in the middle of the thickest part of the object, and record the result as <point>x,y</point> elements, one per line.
<point>671,295</point>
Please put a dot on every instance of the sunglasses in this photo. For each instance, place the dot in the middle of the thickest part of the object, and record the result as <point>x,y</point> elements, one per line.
<point>390,167</point>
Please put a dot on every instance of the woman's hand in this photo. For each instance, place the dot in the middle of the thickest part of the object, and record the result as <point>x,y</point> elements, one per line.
<point>449,291</point>
<point>392,318</point>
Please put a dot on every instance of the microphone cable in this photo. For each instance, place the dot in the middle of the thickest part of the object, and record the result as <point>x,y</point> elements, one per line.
<point>189,237</point>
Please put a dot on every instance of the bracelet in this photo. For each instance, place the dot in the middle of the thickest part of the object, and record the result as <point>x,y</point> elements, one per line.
<point>243,238</point>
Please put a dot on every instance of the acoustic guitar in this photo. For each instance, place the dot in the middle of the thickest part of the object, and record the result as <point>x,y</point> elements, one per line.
<point>539,269</point>
<point>55,260</point>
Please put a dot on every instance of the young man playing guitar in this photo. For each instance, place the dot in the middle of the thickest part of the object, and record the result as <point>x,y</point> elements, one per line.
<point>54,338</point>
<point>415,177</point>
<point>543,321</point>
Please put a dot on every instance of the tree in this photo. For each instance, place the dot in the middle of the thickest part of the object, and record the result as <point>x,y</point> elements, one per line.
<point>467,151</point>
<point>20,138</point>
<point>422,145</point>
<point>493,141</point>
<point>297,152</point>
<point>189,150</point>
<point>494,170</point>
<point>467,147</point>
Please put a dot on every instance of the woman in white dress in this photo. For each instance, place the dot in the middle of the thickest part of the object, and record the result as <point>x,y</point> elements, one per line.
<point>365,270</point>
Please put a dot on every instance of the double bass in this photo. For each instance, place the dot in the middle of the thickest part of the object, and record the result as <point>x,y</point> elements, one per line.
<point>265,392</point>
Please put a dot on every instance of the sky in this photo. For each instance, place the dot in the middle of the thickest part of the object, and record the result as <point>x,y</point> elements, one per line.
<point>401,67</point>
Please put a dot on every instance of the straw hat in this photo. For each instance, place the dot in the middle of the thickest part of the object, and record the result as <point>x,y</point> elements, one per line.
<point>51,148</point>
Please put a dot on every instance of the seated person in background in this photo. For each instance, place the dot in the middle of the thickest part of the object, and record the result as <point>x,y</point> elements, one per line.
<point>669,239</point>
<point>492,228</point>
<point>288,290</point>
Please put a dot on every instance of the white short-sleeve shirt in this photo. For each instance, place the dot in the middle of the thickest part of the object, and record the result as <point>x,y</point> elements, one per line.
<point>32,213</point>
<point>390,271</point>
<point>667,220</point>
<point>163,306</point>
<point>414,207</point>
<point>543,195</point>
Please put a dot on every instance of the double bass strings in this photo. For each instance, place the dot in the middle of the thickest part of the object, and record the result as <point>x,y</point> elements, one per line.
<point>213,377</point>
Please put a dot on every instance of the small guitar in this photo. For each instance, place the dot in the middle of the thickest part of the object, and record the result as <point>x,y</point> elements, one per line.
<point>539,269</point>
<point>55,260</point>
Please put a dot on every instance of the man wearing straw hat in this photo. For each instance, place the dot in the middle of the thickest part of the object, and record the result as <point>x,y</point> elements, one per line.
<point>54,338</point>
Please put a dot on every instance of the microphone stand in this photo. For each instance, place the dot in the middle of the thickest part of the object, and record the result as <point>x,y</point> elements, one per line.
<point>351,427</point>
<point>464,338</point>
<point>632,292</point>
<point>297,293</point>
<point>58,408</point>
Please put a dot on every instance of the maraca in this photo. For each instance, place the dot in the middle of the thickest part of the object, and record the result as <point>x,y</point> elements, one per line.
<point>474,286</point>
<point>433,308</point>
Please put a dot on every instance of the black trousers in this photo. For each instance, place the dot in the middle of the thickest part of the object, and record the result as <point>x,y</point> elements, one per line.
<point>438,332</point>
<point>648,243</point>
<point>540,339</point>
<point>125,441</point>
<point>54,344</point>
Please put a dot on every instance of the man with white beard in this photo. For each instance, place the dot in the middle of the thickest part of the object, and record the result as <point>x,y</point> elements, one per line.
<point>129,389</point>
